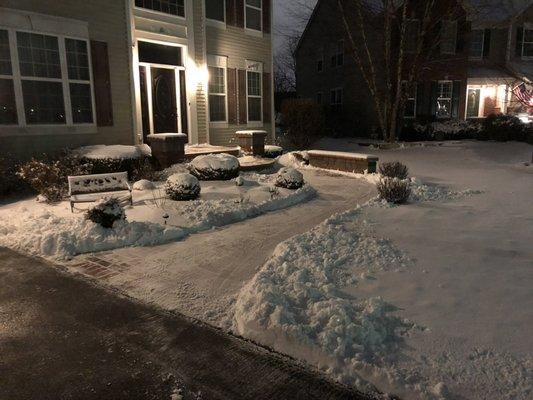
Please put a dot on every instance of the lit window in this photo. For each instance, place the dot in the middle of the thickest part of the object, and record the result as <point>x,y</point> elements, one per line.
<point>444,99</point>
<point>448,39</point>
<point>172,7</point>
<point>215,10</point>
<point>254,15</point>
<point>409,91</point>
<point>217,94</point>
<point>527,46</point>
<point>477,37</point>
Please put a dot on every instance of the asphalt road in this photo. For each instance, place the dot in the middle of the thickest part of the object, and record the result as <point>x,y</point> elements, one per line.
<point>62,337</point>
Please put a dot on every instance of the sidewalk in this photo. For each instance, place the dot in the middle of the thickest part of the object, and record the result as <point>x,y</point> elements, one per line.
<point>64,338</point>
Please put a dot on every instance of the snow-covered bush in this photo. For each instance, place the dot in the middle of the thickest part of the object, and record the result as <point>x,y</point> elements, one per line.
<point>503,128</point>
<point>105,212</point>
<point>215,167</point>
<point>143,185</point>
<point>273,151</point>
<point>289,178</point>
<point>452,129</point>
<point>394,169</point>
<point>9,180</point>
<point>182,187</point>
<point>304,120</point>
<point>394,190</point>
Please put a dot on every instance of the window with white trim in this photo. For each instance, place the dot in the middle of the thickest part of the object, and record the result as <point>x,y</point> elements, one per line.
<point>477,40</point>
<point>527,44</point>
<point>254,91</point>
<point>215,10</point>
<point>217,90</point>
<point>172,7</point>
<point>254,14</point>
<point>448,37</point>
<point>409,93</point>
<point>52,74</point>
<point>444,99</point>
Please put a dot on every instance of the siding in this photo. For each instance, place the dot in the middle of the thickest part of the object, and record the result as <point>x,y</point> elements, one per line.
<point>107,23</point>
<point>199,50</point>
<point>233,43</point>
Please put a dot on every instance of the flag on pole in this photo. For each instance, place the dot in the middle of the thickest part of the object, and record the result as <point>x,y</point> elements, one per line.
<point>525,96</point>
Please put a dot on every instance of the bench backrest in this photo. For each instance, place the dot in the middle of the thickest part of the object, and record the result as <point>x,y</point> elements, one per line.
<point>98,183</point>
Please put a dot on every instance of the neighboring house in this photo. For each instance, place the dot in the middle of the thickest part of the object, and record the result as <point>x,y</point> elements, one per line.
<point>483,54</point>
<point>81,72</point>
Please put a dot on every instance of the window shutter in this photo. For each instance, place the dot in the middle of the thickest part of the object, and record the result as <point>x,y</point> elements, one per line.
<point>456,98</point>
<point>433,98</point>
<point>519,41</point>
<point>239,13</point>
<point>266,16</point>
<point>463,27</point>
<point>420,99</point>
<point>438,34</point>
<point>486,43</point>
<point>267,103</point>
<point>230,12</point>
<point>243,111</point>
<point>232,96</point>
<point>102,84</point>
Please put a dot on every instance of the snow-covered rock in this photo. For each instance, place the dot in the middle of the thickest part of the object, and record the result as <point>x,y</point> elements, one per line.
<point>273,151</point>
<point>143,184</point>
<point>289,178</point>
<point>113,152</point>
<point>214,167</point>
<point>182,187</point>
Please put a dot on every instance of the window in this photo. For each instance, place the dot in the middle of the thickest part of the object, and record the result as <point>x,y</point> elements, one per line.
<point>172,7</point>
<point>217,94</point>
<point>409,91</point>
<point>47,88</point>
<point>320,63</point>
<point>448,43</point>
<point>254,91</point>
<point>527,45</point>
<point>412,31</point>
<point>319,98</point>
<point>337,58</point>
<point>336,97</point>
<point>254,16</point>
<point>215,10</point>
<point>444,99</point>
<point>477,39</point>
<point>473,103</point>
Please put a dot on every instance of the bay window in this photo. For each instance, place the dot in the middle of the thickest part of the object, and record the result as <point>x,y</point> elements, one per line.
<point>172,7</point>
<point>254,14</point>
<point>254,91</point>
<point>217,91</point>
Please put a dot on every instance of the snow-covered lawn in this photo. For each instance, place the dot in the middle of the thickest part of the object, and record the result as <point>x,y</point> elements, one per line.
<point>52,231</point>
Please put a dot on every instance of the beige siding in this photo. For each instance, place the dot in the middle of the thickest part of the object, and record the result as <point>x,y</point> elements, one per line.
<point>107,23</point>
<point>238,47</point>
<point>199,50</point>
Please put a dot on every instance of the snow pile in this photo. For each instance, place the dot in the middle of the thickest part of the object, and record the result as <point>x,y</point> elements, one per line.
<point>273,151</point>
<point>289,178</point>
<point>421,192</point>
<point>44,234</point>
<point>215,167</point>
<point>114,152</point>
<point>143,185</point>
<point>294,303</point>
<point>182,187</point>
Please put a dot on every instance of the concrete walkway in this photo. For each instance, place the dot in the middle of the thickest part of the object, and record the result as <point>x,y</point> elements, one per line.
<point>63,338</point>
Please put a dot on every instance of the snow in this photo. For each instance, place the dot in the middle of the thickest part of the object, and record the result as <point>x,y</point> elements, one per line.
<point>213,165</point>
<point>343,154</point>
<point>182,181</point>
<point>115,152</point>
<point>143,185</point>
<point>183,186</point>
<point>289,178</point>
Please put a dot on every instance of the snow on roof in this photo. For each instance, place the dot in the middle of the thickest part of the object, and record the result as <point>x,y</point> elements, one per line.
<point>495,10</point>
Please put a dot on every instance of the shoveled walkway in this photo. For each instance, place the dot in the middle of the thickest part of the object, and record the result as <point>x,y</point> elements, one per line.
<point>64,338</point>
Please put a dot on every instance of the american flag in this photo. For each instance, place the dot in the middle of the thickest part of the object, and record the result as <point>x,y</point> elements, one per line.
<point>525,96</point>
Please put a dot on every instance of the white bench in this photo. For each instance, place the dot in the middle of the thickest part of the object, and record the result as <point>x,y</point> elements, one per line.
<point>91,188</point>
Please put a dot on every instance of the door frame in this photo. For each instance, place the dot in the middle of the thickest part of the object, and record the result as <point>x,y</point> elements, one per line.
<point>177,69</point>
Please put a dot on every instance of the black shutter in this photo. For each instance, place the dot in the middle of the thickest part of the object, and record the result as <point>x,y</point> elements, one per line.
<point>267,95</point>
<point>437,34</point>
<point>420,99</point>
<point>266,16</point>
<point>519,41</point>
<point>239,13</point>
<point>433,99</point>
<point>463,28</point>
<point>232,96</point>
<point>456,98</point>
<point>230,12</point>
<point>486,43</point>
<point>243,97</point>
<point>102,84</point>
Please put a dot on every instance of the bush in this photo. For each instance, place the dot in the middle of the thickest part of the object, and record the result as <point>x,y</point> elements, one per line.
<point>215,167</point>
<point>10,182</point>
<point>429,130</point>
<point>106,212</point>
<point>273,151</point>
<point>503,128</point>
<point>289,178</point>
<point>394,169</point>
<point>394,190</point>
<point>181,187</point>
<point>304,120</point>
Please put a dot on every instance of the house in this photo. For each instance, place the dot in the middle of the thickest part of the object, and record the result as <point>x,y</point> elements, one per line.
<point>481,57</point>
<point>83,72</point>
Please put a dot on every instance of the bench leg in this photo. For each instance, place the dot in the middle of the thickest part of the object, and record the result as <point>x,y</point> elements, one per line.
<point>71,207</point>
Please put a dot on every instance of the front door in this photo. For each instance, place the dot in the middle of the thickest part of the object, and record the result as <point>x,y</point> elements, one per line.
<point>164,100</point>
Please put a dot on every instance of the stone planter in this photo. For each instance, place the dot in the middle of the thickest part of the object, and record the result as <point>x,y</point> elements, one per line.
<point>343,161</point>
<point>168,148</point>
<point>252,141</point>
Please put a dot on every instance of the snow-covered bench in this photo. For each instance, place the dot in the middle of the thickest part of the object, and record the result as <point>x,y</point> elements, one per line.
<point>343,161</point>
<point>91,188</point>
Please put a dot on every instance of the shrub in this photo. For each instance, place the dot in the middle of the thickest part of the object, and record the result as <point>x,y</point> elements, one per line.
<point>304,120</point>
<point>181,187</point>
<point>273,151</point>
<point>215,167</point>
<point>394,169</point>
<point>394,190</point>
<point>503,128</point>
<point>289,178</point>
<point>10,182</point>
<point>106,212</point>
